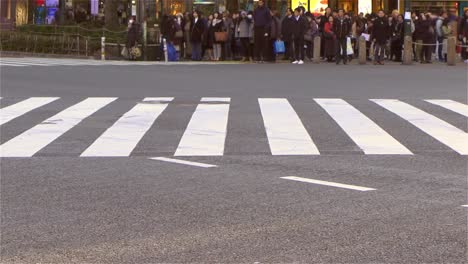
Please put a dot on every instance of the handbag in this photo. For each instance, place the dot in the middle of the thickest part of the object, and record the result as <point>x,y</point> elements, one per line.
<point>221,36</point>
<point>135,52</point>
<point>171,52</point>
<point>179,34</point>
<point>279,47</point>
<point>124,52</point>
<point>349,47</point>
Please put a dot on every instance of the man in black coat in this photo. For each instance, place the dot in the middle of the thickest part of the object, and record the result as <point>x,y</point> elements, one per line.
<point>380,37</point>
<point>299,28</point>
<point>286,33</point>
<point>342,29</point>
<point>262,22</point>
<point>197,31</point>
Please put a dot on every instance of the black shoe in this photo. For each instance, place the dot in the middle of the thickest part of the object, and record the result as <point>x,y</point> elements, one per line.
<point>345,62</point>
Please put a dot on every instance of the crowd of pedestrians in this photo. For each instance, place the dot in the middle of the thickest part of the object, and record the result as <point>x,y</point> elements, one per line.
<point>253,35</point>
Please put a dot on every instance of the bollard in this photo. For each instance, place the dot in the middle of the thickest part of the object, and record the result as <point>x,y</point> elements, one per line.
<point>165,50</point>
<point>103,48</point>
<point>451,51</point>
<point>408,51</point>
<point>317,43</point>
<point>362,50</point>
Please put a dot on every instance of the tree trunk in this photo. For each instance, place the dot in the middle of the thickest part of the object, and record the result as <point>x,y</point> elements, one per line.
<point>110,13</point>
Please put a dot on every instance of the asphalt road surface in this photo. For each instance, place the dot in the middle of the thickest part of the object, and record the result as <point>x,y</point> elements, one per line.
<point>119,163</point>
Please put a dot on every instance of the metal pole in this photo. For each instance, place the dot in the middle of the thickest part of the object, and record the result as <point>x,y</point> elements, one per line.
<point>166,59</point>
<point>103,48</point>
<point>407,60</point>
<point>145,40</point>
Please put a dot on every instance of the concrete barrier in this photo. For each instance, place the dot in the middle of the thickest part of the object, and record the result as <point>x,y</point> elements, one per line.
<point>408,50</point>
<point>362,50</point>
<point>317,47</point>
<point>451,51</point>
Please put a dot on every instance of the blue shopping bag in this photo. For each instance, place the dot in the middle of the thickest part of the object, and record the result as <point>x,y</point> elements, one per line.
<point>279,47</point>
<point>171,52</point>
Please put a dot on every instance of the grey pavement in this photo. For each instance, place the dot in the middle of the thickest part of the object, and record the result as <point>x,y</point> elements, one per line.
<point>58,207</point>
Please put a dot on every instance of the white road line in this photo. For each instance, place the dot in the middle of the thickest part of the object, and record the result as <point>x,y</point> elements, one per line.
<point>465,205</point>
<point>29,63</point>
<point>12,64</point>
<point>371,138</point>
<point>49,63</point>
<point>36,138</point>
<point>454,106</point>
<point>13,111</point>
<point>444,132</point>
<point>190,163</point>
<point>206,132</point>
<point>327,183</point>
<point>120,139</point>
<point>285,131</point>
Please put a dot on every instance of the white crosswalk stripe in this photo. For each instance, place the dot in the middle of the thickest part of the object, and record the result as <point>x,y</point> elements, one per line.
<point>286,133</point>
<point>207,130</point>
<point>454,106</point>
<point>36,138</point>
<point>13,111</point>
<point>121,138</point>
<point>444,132</point>
<point>364,132</point>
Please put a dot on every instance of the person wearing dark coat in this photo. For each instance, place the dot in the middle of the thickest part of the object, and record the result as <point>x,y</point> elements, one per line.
<point>428,38</point>
<point>262,22</point>
<point>342,29</point>
<point>324,20</point>
<point>329,40</point>
<point>133,34</point>
<point>197,32</point>
<point>463,35</point>
<point>397,38</point>
<point>275,34</point>
<point>298,30</point>
<point>380,37</point>
<point>286,34</point>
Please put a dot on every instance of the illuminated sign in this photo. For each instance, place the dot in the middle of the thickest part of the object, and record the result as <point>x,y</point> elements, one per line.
<point>315,6</point>
<point>365,6</point>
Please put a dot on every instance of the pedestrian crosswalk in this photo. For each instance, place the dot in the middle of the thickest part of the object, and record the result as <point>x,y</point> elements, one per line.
<point>208,127</point>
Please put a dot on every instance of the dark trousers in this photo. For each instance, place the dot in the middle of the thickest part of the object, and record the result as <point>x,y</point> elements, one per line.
<point>309,52</point>
<point>260,43</point>
<point>246,52</point>
<point>341,52</point>
<point>426,53</point>
<point>439,48</point>
<point>397,49</point>
<point>288,50</point>
<point>298,49</point>
<point>271,50</point>
<point>464,51</point>
<point>196,51</point>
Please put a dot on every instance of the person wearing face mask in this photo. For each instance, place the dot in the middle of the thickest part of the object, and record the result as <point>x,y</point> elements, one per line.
<point>244,28</point>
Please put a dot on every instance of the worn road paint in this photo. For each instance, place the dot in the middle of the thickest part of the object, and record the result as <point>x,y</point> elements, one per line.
<point>184,162</point>
<point>327,183</point>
